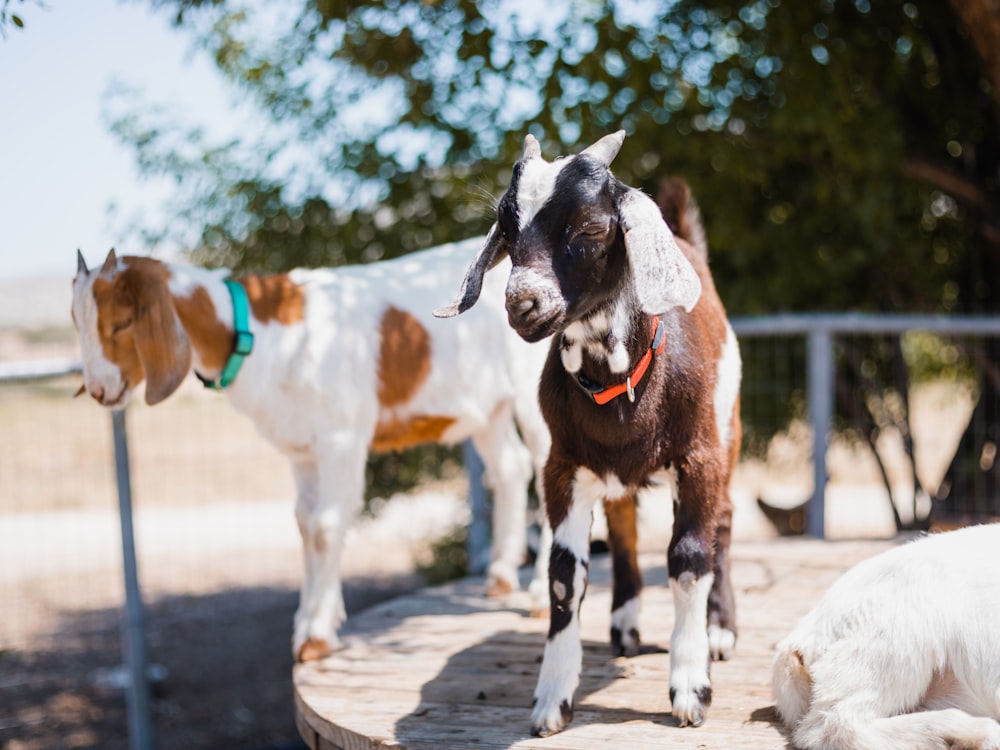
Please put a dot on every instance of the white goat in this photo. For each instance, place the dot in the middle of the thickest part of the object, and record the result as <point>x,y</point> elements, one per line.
<point>343,361</point>
<point>902,653</point>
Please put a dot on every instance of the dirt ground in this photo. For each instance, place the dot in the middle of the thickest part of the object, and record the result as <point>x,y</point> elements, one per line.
<point>228,683</point>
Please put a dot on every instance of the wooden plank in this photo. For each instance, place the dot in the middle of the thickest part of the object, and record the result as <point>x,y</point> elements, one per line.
<point>446,668</point>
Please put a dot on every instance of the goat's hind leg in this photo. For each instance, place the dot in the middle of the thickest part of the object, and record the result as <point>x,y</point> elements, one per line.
<point>626,576</point>
<point>507,472</point>
<point>535,434</point>
<point>721,603</point>
<point>860,688</point>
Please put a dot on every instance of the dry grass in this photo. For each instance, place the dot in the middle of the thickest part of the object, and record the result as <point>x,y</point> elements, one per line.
<point>57,453</point>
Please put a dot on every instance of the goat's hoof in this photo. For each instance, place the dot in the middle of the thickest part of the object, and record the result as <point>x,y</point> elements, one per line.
<point>313,649</point>
<point>690,706</point>
<point>624,643</point>
<point>721,642</point>
<point>497,587</point>
<point>538,595</point>
<point>548,718</point>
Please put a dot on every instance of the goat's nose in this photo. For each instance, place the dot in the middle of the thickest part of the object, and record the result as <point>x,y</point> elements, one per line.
<point>98,394</point>
<point>519,306</point>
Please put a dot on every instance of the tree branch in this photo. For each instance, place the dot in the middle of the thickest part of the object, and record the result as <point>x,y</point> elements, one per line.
<point>953,182</point>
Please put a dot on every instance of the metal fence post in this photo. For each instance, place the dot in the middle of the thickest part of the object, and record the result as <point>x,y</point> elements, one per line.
<point>140,717</point>
<point>820,383</point>
<point>477,543</point>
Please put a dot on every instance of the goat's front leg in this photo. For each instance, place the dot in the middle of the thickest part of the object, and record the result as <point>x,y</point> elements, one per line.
<point>307,497</point>
<point>690,563</point>
<point>569,503</point>
<point>626,576</point>
<point>331,493</point>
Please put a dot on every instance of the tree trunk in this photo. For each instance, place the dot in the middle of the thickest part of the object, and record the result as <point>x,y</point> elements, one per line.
<point>981,19</point>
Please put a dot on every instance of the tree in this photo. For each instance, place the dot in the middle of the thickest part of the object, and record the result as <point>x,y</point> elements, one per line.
<point>810,118</point>
<point>845,153</point>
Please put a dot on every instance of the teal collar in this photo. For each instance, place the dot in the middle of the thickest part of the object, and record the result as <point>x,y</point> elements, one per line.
<point>243,339</point>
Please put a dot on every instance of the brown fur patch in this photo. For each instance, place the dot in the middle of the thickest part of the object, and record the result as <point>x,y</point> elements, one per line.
<point>275,298</point>
<point>212,339</point>
<point>404,357</point>
<point>398,434</point>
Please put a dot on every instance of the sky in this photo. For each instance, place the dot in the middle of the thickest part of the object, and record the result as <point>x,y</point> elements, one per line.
<point>60,167</point>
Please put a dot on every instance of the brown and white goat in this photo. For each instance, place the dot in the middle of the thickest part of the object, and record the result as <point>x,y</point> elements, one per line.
<point>344,361</point>
<point>641,386</point>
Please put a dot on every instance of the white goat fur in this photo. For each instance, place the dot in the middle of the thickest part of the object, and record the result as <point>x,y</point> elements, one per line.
<point>902,653</point>
<point>311,387</point>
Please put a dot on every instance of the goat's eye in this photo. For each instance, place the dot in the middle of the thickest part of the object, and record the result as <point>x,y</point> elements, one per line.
<point>121,327</point>
<point>590,233</point>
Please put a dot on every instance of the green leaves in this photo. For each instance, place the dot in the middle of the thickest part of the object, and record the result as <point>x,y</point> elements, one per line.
<point>795,122</point>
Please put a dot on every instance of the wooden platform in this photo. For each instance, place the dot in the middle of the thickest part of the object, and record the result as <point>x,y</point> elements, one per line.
<point>445,668</point>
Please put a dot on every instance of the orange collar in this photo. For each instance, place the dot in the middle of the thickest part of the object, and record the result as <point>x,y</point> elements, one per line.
<point>602,396</point>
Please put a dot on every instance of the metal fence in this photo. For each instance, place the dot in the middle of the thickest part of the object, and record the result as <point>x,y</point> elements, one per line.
<point>831,366</point>
<point>58,460</point>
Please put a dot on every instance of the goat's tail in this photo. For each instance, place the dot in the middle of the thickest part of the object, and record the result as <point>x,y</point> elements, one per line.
<point>681,213</point>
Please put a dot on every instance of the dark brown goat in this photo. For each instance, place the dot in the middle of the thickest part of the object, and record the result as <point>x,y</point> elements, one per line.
<point>641,387</point>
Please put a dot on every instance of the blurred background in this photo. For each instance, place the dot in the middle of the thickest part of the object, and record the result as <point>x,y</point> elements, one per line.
<point>845,157</point>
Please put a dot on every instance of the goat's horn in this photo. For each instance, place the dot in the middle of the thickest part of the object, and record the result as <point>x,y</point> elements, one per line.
<point>531,148</point>
<point>83,389</point>
<point>81,264</point>
<point>109,263</point>
<point>606,149</point>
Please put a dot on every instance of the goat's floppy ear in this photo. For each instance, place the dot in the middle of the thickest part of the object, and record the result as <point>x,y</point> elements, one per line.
<point>494,251</point>
<point>161,343</point>
<point>663,278</point>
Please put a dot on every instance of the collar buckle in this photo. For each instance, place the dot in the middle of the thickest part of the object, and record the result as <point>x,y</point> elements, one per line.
<point>244,343</point>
